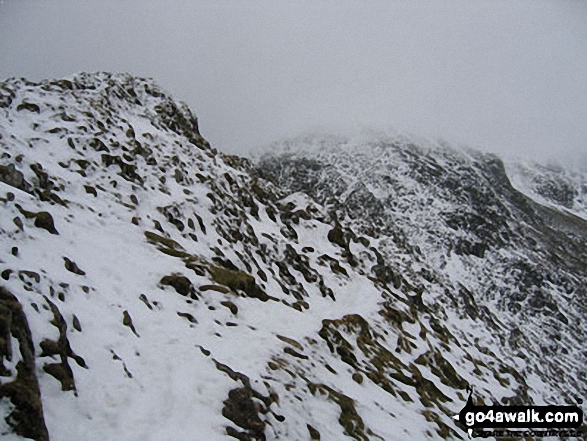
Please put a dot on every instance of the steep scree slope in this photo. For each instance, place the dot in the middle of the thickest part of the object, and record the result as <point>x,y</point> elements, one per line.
<point>153,288</point>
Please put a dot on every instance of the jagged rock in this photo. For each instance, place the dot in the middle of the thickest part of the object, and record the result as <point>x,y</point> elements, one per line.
<point>61,371</point>
<point>244,412</point>
<point>349,419</point>
<point>26,419</point>
<point>439,255</point>
<point>13,177</point>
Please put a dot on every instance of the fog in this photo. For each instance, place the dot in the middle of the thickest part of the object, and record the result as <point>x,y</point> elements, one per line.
<point>503,76</point>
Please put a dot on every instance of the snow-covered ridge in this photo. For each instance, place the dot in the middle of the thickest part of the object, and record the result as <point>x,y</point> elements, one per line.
<point>551,185</point>
<point>454,213</point>
<point>163,290</point>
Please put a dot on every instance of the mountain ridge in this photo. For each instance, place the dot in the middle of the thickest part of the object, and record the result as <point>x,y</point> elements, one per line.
<point>175,291</point>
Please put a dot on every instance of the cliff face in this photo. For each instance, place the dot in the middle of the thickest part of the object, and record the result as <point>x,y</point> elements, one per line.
<point>153,288</point>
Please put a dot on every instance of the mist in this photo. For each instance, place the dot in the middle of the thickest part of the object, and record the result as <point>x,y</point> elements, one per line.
<point>502,76</point>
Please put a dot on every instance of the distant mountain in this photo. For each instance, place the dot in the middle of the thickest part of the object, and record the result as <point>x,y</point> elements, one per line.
<point>154,288</point>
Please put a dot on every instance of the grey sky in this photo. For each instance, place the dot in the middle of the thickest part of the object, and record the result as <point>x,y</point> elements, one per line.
<point>503,75</point>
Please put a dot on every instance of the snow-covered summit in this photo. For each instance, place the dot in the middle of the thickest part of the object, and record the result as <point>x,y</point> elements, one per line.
<point>153,288</point>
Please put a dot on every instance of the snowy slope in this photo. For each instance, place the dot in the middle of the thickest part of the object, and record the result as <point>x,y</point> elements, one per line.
<point>450,221</point>
<point>562,188</point>
<point>155,289</point>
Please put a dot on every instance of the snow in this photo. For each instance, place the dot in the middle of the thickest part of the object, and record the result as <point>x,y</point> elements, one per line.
<point>163,382</point>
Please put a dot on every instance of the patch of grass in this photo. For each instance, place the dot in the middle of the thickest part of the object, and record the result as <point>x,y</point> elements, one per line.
<point>237,280</point>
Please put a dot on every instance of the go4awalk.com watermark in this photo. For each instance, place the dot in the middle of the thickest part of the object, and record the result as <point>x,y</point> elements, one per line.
<point>521,421</point>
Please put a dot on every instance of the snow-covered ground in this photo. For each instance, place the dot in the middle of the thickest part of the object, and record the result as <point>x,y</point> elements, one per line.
<point>182,296</point>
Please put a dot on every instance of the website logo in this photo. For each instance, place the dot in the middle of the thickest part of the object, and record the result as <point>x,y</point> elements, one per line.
<point>555,419</point>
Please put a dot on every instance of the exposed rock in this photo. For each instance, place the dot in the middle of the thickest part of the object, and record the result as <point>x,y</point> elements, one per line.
<point>61,371</point>
<point>244,412</point>
<point>13,177</point>
<point>349,419</point>
<point>399,271</point>
<point>76,324</point>
<point>27,418</point>
<point>314,434</point>
<point>44,220</point>
<point>127,321</point>
<point>180,283</point>
<point>238,280</point>
<point>31,107</point>
<point>190,318</point>
<point>72,267</point>
<point>231,306</point>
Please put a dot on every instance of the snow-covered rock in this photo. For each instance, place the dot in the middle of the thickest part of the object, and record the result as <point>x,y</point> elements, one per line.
<point>153,288</point>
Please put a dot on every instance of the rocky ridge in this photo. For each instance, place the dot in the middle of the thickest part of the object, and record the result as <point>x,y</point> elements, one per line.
<point>154,288</point>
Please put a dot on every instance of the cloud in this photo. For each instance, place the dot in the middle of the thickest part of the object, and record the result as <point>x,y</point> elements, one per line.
<point>502,75</point>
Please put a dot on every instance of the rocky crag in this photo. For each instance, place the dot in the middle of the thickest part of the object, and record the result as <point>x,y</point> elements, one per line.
<point>154,288</point>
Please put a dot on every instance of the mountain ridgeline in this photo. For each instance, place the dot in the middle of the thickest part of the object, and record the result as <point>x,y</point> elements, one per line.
<point>334,288</point>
